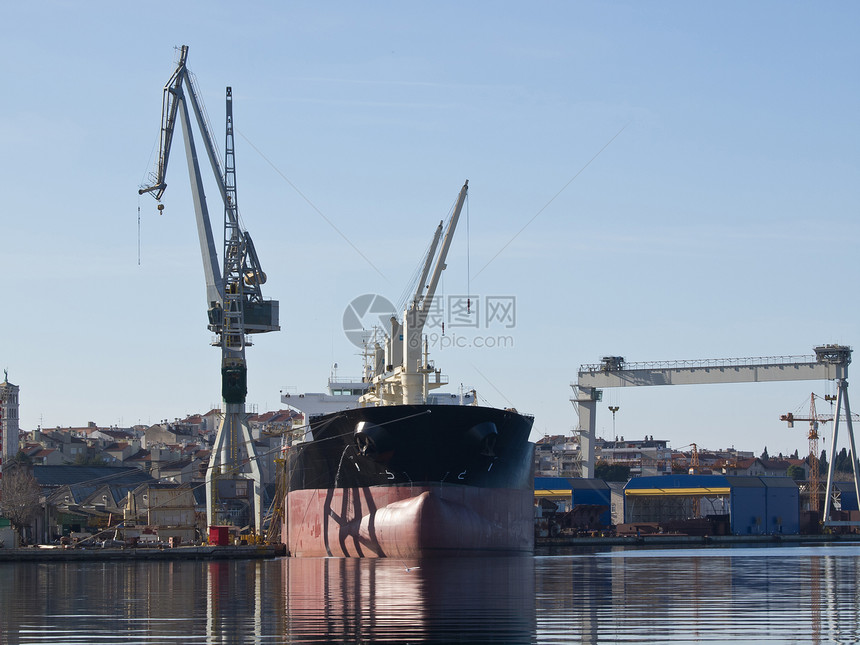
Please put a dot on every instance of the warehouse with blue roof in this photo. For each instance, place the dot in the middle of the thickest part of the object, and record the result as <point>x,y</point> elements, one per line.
<point>722,504</point>
<point>754,505</point>
<point>585,502</point>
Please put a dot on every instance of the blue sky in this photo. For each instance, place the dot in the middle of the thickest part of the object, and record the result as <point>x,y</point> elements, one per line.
<point>664,180</point>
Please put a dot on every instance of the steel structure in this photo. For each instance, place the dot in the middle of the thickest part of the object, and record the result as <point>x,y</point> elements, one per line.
<point>814,420</point>
<point>235,303</point>
<point>830,362</point>
<point>814,471</point>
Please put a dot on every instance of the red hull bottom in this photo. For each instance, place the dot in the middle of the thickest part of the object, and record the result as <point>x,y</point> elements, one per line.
<point>409,521</point>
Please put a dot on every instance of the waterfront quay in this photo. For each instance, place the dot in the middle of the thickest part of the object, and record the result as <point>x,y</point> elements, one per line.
<point>668,539</point>
<point>50,554</point>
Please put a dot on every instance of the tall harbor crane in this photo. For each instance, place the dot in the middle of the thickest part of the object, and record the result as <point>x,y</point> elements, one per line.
<point>235,303</point>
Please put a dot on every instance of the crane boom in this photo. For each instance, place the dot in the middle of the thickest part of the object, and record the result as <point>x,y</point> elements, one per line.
<point>405,378</point>
<point>178,92</point>
<point>443,253</point>
<point>428,261</point>
<point>416,317</point>
<point>181,102</point>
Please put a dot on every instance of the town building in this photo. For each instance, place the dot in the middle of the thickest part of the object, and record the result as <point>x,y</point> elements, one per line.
<point>644,457</point>
<point>81,499</point>
<point>559,456</point>
<point>164,511</point>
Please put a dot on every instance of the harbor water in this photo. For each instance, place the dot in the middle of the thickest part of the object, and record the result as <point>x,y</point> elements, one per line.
<point>774,594</point>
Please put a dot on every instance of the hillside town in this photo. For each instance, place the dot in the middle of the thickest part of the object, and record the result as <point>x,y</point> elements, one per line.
<point>559,456</point>
<point>146,483</point>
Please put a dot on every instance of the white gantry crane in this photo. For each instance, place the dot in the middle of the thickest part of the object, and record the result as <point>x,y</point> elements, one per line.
<point>830,362</point>
<point>236,305</point>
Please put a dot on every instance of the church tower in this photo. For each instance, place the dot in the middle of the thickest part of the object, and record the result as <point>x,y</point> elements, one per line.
<point>8,421</point>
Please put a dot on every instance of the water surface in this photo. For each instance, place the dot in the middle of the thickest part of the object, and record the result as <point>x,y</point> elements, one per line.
<point>778,594</point>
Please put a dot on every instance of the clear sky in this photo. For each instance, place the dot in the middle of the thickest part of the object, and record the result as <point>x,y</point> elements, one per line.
<point>661,180</point>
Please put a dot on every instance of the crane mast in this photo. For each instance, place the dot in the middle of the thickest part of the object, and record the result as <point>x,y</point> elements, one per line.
<point>235,303</point>
<point>814,471</point>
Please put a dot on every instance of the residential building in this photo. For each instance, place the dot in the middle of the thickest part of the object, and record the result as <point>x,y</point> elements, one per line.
<point>169,433</point>
<point>72,448</point>
<point>41,456</point>
<point>557,456</point>
<point>644,457</point>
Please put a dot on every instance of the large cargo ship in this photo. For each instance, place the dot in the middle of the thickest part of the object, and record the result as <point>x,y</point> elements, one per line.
<point>390,469</point>
<point>412,481</point>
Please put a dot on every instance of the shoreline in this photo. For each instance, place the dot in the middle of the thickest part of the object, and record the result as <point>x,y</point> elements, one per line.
<point>36,554</point>
<point>270,551</point>
<point>693,540</point>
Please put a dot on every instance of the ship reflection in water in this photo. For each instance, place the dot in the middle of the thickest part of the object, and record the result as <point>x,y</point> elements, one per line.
<point>469,600</point>
<point>802,594</point>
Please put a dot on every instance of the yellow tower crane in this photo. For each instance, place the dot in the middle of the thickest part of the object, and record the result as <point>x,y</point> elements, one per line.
<point>693,469</point>
<point>814,468</point>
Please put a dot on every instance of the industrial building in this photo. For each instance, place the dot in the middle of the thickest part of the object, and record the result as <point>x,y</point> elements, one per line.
<point>571,504</point>
<point>688,504</point>
<point>752,505</point>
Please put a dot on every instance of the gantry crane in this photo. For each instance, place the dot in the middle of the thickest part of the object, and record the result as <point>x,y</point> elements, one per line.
<point>830,362</point>
<point>814,466</point>
<point>235,303</point>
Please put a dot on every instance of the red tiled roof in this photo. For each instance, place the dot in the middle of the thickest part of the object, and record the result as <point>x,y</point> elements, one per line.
<point>746,463</point>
